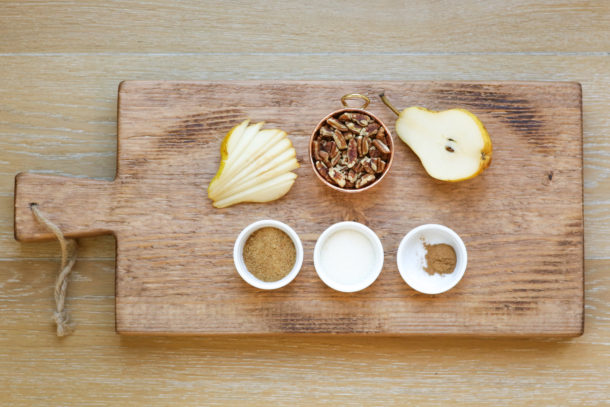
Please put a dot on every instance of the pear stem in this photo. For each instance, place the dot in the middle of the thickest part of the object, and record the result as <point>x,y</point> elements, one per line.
<point>386,102</point>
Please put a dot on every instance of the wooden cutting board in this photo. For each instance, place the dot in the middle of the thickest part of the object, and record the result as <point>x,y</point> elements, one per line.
<point>521,221</point>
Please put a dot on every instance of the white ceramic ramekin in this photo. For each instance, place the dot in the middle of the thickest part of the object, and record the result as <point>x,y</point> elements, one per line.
<point>238,257</point>
<point>377,249</point>
<point>411,259</point>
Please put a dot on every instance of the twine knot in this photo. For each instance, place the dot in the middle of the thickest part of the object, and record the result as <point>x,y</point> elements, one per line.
<point>62,319</point>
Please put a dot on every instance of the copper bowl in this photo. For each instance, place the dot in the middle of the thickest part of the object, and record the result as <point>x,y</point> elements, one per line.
<point>388,139</point>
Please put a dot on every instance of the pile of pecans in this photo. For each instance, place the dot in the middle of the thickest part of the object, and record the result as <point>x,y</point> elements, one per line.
<point>351,150</point>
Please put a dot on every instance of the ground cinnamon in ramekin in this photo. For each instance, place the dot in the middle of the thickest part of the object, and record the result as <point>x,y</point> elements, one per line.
<point>440,258</point>
<point>269,254</point>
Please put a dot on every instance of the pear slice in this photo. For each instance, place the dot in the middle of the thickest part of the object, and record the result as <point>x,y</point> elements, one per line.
<point>452,145</point>
<point>259,179</point>
<point>265,192</point>
<point>235,135</point>
<point>255,166</point>
<point>228,144</point>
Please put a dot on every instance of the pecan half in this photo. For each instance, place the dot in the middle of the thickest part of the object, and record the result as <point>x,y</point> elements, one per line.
<point>381,146</point>
<point>366,165</point>
<point>343,160</point>
<point>324,158</point>
<point>335,160</point>
<point>333,150</point>
<point>347,116</point>
<point>323,145</point>
<point>361,119</point>
<point>337,177</point>
<point>323,170</point>
<point>374,153</point>
<point>378,165</point>
<point>363,146</point>
<point>353,127</point>
<point>352,153</point>
<point>352,176</point>
<point>339,140</point>
<point>381,136</point>
<point>326,131</point>
<point>374,162</point>
<point>373,129</point>
<point>365,180</point>
<point>336,124</point>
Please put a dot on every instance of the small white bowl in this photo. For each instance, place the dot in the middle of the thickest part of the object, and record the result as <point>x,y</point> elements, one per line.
<point>238,256</point>
<point>411,259</point>
<point>370,277</point>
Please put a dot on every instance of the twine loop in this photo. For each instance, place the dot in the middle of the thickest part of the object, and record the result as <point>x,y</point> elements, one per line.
<point>68,258</point>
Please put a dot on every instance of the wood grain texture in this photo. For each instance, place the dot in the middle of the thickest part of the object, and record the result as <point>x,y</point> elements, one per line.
<point>315,26</point>
<point>168,233</point>
<point>60,67</point>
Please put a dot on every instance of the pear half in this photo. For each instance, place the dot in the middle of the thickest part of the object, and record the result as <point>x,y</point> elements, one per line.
<point>452,145</point>
<point>254,166</point>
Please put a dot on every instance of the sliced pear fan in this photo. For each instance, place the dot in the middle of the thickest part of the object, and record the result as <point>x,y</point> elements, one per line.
<point>254,166</point>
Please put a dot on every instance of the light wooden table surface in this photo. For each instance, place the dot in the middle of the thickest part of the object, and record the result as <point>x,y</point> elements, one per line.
<point>60,64</point>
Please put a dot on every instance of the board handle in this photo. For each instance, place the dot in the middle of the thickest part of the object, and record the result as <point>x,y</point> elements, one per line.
<point>79,207</point>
